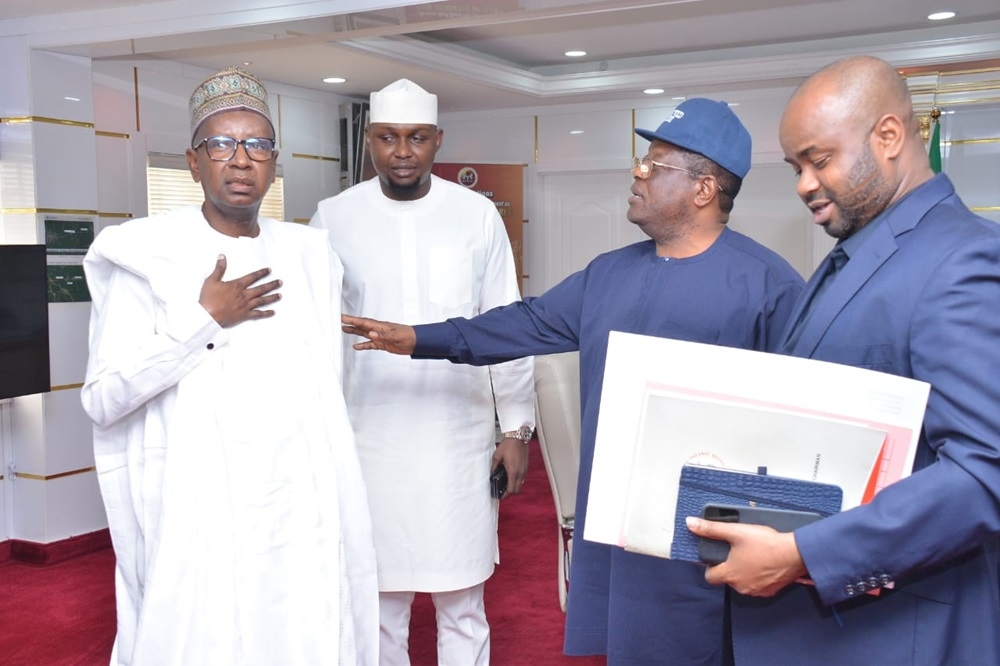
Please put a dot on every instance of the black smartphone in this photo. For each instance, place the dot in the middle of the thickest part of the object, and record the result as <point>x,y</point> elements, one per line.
<point>498,481</point>
<point>712,551</point>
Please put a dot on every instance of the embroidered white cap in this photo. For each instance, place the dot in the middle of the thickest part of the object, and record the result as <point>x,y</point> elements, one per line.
<point>404,103</point>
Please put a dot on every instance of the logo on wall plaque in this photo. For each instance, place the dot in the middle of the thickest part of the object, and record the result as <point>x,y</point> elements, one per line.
<point>467,176</point>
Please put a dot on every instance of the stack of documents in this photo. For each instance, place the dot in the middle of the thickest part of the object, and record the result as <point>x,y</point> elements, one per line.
<point>666,403</point>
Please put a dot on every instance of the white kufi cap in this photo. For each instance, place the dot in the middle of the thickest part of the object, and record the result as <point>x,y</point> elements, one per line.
<point>404,103</point>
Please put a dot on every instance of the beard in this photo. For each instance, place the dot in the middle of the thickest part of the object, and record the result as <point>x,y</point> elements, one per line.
<point>868,193</point>
<point>405,190</point>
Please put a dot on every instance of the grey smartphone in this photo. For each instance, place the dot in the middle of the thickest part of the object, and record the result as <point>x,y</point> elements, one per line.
<point>712,551</point>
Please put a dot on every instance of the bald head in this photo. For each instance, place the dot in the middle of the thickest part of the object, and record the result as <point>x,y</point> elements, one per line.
<point>859,88</point>
<point>852,136</point>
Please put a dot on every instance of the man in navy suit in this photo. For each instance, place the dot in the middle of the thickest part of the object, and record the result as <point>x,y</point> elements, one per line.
<point>916,293</point>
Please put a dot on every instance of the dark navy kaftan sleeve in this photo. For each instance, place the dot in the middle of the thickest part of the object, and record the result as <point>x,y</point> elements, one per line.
<point>546,324</point>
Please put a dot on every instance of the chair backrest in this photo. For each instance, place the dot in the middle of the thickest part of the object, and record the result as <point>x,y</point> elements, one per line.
<point>557,422</point>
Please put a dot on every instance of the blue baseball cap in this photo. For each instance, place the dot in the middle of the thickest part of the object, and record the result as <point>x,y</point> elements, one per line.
<point>708,128</point>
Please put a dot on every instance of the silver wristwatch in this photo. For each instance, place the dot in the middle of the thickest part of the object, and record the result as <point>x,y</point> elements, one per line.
<point>523,433</point>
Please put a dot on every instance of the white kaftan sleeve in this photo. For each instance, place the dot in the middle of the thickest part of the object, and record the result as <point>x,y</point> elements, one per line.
<point>513,381</point>
<point>139,345</point>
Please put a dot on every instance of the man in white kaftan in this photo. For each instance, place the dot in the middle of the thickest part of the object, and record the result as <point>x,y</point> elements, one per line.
<point>223,447</point>
<point>426,430</point>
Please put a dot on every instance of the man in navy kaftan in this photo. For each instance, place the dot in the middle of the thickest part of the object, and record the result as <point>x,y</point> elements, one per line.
<point>695,280</point>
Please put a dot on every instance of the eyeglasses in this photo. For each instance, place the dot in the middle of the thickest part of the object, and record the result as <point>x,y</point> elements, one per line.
<point>645,166</point>
<point>223,148</point>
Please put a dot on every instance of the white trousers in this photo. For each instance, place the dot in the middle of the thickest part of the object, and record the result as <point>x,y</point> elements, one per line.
<point>463,635</point>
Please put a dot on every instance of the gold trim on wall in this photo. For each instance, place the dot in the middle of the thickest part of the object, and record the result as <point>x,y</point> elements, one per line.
<point>50,477</point>
<point>633,133</point>
<point>984,209</point>
<point>135,90</point>
<point>66,387</point>
<point>43,119</point>
<point>955,142</point>
<point>115,215</point>
<point>281,136</point>
<point>536,139</point>
<point>316,157</point>
<point>113,135</point>
<point>948,88</point>
<point>301,220</point>
<point>56,211</point>
<point>948,103</point>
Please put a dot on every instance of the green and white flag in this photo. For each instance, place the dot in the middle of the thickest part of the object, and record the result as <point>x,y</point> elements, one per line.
<point>935,147</point>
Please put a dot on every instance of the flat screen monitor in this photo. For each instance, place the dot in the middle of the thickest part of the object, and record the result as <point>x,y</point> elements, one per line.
<point>24,321</point>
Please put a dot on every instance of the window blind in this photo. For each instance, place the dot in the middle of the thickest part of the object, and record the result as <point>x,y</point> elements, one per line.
<point>169,184</point>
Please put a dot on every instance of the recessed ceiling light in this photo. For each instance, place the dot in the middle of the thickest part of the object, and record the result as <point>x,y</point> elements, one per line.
<point>71,99</point>
<point>576,131</point>
<point>732,103</point>
<point>575,54</point>
<point>653,91</point>
<point>680,98</point>
<point>334,79</point>
<point>247,63</point>
<point>941,16</point>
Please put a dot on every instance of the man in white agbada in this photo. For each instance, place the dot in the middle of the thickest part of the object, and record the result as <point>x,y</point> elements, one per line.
<point>223,448</point>
<point>417,248</point>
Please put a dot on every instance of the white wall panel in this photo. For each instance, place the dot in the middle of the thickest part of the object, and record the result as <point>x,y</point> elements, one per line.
<point>309,138</point>
<point>68,323</point>
<point>19,229</point>
<point>65,172</point>
<point>308,126</point>
<point>307,182</point>
<point>74,506</point>
<point>114,174</point>
<point>68,442</point>
<point>51,434</point>
<point>27,418</point>
<point>605,140</point>
<point>137,172</point>
<point>6,484</point>
<point>974,167</point>
<point>114,97</point>
<point>61,87</point>
<point>4,491</point>
<point>30,510</point>
<point>503,140</point>
<point>15,102</point>
<point>163,109</point>
<point>17,165</point>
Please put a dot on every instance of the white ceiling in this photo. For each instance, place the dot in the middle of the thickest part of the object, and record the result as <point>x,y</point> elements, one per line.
<point>483,54</point>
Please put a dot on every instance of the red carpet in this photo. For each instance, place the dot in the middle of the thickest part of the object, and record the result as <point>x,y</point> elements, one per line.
<point>63,614</point>
<point>58,615</point>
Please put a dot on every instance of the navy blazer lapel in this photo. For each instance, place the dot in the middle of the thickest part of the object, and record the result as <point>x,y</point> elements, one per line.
<point>901,218</point>
<point>866,261</point>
